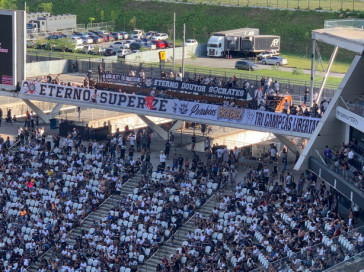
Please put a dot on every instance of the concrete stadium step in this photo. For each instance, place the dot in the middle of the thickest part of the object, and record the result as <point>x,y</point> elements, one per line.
<point>170,247</point>
<point>102,211</point>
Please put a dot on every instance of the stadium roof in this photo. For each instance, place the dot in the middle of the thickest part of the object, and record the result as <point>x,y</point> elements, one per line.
<point>347,34</point>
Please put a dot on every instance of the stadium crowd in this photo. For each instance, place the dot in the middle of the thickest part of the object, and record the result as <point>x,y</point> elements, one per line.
<point>263,222</point>
<point>47,188</point>
<point>347,160</point>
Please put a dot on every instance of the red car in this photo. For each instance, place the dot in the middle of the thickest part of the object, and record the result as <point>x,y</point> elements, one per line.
<point>111,38</point>
<point>159,44</point>
<point>105,38</point>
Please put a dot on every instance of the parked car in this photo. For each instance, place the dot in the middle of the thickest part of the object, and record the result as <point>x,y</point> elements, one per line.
<point>122,53</point>
<point>135,46</point>
<point>168,44</point>
<point>137,34</point>
<point>245,65</point>
<point>31,43</point>
<point>277,60</point>
<point>111,51</point>
<point>159,44</point>
<point>105,38</point>
<point>150,34</point>
<point>267,54</point>
<point>124,34</point>
<point>149,45</point>
<point>76,47</point>
<point>159,37</point>
<point>190,42</point>
<point>135,51</point>
<point>117,35</point>
<point>127,43</point>
<point>96,39</point>
<point>87,39</point>
<point>117,45</point>
<point>110,37</point>
<point>88,49</point>
<point>98,50</point>
<point>77,40</point>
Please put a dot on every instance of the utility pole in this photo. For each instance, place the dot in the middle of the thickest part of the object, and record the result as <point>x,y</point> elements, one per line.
<point>174,40</point>
<point>183,50</point>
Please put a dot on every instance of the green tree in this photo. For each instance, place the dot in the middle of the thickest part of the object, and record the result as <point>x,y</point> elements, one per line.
<point>46,7</point>
<point>63,44</point>
<point>132,22</point>
<point>41,42</point>
<point>7,4</point>
<point>114,15</point>
<point>102,15</point>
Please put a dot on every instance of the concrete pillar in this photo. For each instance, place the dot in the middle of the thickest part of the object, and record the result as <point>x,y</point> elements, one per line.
<point>287,142</point>
<point>176,125</point>
<point>332,58</point>
<point>37,110</point>
<point>157,129</point>
<point>55,111</point>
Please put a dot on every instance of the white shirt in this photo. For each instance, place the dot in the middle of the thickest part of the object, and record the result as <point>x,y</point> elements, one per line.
<point>162,157</point>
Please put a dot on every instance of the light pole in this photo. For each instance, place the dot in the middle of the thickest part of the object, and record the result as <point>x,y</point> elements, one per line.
<point>174,40</point>
<point>183,50</point>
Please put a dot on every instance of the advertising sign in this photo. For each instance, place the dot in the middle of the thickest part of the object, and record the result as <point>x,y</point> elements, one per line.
<point>6,50</point>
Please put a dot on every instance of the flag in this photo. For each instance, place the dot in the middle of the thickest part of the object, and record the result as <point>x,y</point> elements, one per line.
<point>7,80</point>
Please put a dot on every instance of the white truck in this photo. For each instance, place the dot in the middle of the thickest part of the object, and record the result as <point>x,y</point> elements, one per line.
<point>244,41</point>
<point>220,42</point>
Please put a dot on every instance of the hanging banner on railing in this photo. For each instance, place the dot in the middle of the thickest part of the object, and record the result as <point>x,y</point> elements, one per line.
<point>200,89</point>
<point>172,108</point>
<point>181,86</point>
<point>120,78</point>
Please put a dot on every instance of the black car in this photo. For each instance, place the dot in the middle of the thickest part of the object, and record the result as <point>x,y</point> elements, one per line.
<point>135,46</point>
<point>245,65</point>
<point>168,44</point>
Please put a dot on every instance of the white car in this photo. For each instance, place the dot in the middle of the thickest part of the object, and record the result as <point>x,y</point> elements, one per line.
<point>87,39</point>
<point>77,40</point>
<point>88,49</point>
<point>149,45</point>
<point>267,54</point>
<point>137,34</point>
<point>123,52</point>
<point>190,42</point>
<point>127,44</point>
<point>124,34</point>
<point>117,45</point>
<point>150,34</point>
<point>275,61</point>
<point>159,37</point>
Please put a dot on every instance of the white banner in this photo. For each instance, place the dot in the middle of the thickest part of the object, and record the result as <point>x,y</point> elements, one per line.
<point>172,108</point>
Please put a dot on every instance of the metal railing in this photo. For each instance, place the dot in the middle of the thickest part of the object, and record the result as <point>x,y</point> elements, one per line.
<point>323,6</point>
<point>285,264</point>
<point>345,23</point>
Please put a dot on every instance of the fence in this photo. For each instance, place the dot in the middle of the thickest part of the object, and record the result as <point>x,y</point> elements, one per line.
<point>346,23</point>
<point>296,87</point>
<point>75,65</point>
<point>320,5</point>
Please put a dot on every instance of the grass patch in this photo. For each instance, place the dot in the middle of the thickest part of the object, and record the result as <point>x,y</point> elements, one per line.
<point>281,76</point>
<point>303,62</point>
<point>58,54</point>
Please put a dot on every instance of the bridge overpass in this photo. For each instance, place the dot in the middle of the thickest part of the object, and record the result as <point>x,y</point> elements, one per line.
<point>241,118</point>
